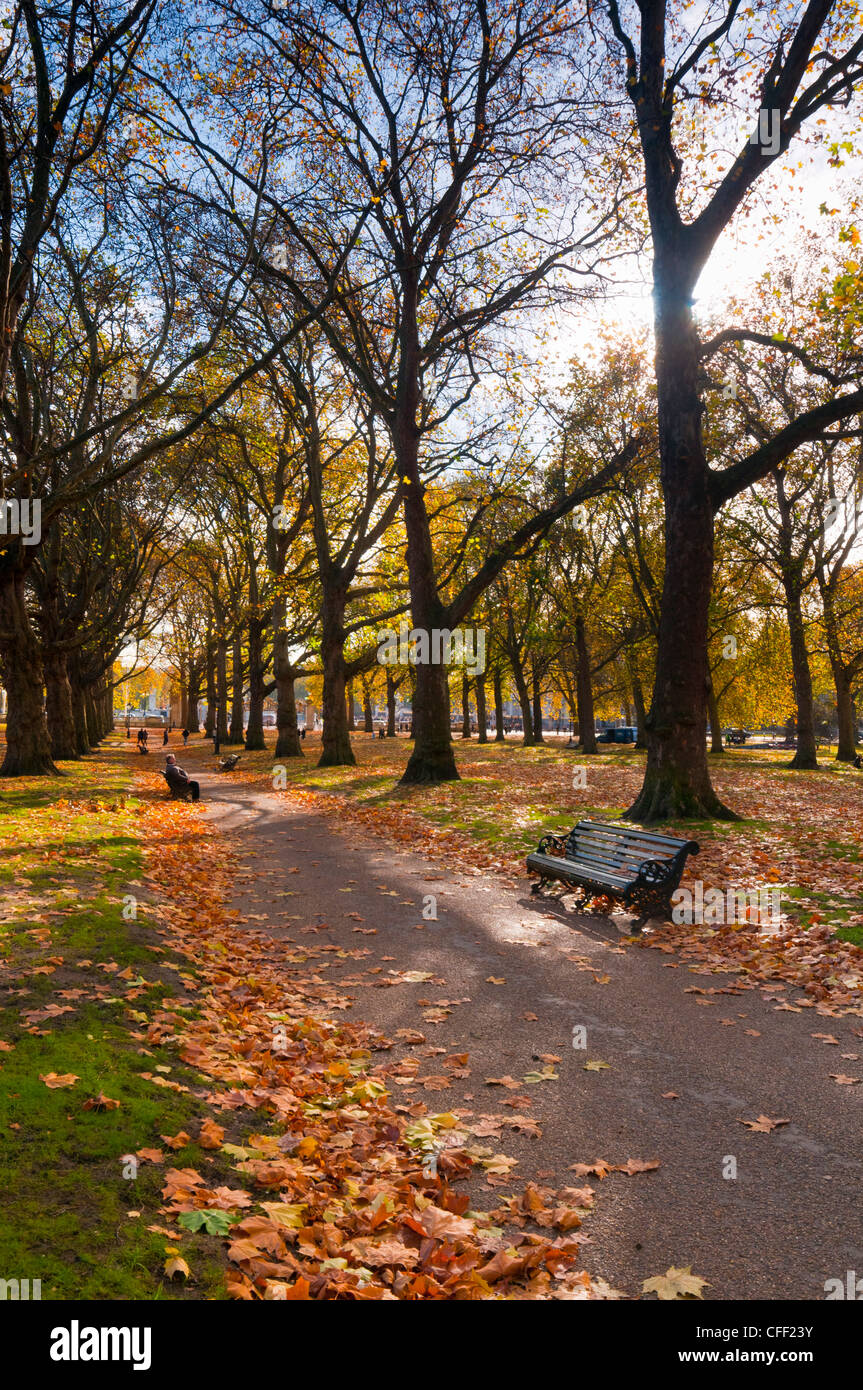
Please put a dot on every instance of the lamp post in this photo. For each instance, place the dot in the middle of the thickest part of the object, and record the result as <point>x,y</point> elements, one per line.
<point>216,743</point>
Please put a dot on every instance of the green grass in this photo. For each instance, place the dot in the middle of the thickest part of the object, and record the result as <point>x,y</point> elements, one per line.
<point>66,1202</point>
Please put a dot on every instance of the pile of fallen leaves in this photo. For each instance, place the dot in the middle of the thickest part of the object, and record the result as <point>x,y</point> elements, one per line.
<point>340,1192</point>
<point>826,973</point>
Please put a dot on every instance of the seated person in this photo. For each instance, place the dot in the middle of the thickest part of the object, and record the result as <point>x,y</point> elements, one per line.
<point>178,780</point>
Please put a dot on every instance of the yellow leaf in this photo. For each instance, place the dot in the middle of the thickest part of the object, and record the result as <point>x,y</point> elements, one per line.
<point>675,1283</point>
<point>175,1264</point>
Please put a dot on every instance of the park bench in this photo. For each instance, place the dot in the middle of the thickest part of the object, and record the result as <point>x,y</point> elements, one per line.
<point>633,866</point>
<point>178,793</point>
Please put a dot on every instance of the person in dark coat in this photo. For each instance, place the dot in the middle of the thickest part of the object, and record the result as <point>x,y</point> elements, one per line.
<point>185,737</point>
<point>178,779</point>
<point>164,738</point>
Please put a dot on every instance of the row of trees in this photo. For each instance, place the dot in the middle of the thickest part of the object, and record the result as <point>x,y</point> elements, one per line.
<point>269,272</point>
<point>576,619</point>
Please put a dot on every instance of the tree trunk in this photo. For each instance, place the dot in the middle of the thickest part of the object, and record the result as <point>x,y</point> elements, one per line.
<point>806,755</point>
<point>465,708</point>
<point>255,728</point>
<point>351,707</point>
<point>677,780</point>
<point>481,714</point>
<point>847,750</point>
<point>94,733</point>
<point>497,686</point>
<point>584,689</point>
<point>288,743</point>
<point>235,733</point>
<point>193,693</point>
<point>107,707</point>
<point>391,706</point>
<point>210,717</point>
<point>58,706</point>
<point>538,736</point>
<point>336,750</point>
<point>79,715</point>
<point>432,758</point>
<point>713,714</point>
<point>222,692</point>
<point>640,713</point>
<point>28,745</point>
<point>368,717</point>
<point>842,679</point>
<point>524,701</point>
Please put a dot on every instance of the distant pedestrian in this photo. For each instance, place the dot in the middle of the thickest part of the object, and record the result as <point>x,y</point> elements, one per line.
<point>303,732</point>
<point>185,738</point>
<point>164,738</point>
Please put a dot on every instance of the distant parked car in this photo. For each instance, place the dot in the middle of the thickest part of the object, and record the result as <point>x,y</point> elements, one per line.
<point>736,736</point>
<point>627,733</point>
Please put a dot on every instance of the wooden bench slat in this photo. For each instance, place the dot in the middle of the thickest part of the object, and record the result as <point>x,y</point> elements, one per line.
<point>660,841</point>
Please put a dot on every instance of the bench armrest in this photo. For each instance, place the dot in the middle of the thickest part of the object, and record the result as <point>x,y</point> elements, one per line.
<point>656,872</point>
<point>557,842</point>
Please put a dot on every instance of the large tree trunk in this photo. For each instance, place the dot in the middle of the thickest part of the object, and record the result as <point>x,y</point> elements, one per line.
<point>584,689</point>
<point>368,717</point>
<point>58,705</point>
<point>235,733</point>
<point>336,750</point>
<point>806,755</point>
<point>677,780</point>
<point>497,686</point>
<point>481,713</point>
<point>432,758</point>
<point>465,708</point>
<point>288,735</point>
<point>350,707</point>
<point>255,729</point>
<point>28,746</point>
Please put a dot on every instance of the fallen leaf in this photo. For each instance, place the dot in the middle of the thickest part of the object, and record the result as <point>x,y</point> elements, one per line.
<point>675,1283</point>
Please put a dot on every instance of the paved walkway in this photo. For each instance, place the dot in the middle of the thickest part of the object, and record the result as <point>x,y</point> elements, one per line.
<point>792,1217</point>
